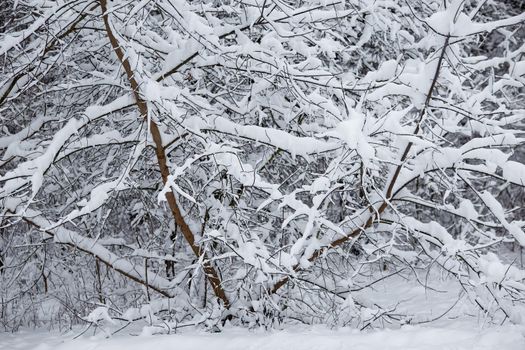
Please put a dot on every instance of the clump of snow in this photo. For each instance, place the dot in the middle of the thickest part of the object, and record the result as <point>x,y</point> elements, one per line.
<point>514,172</point>
<point>351,131</point>
<point>98,315</point>
<point>496,271</point>
<point>497,210</point>
<point>320,184</point>
<point>452,21</point>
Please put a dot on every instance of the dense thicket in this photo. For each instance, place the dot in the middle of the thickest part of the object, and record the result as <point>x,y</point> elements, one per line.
<point>195,162</point>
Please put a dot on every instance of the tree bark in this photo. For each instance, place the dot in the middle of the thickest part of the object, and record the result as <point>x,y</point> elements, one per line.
<point>209,270</point>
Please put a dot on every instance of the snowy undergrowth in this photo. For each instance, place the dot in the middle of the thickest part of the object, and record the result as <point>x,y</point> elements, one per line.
<point>440,316</point>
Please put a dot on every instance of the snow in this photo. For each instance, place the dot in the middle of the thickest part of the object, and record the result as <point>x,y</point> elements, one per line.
<point>519,69</point>
<point>497,210</point>
<point>432,325</point>
<point>448,23</point>
<point>99,195</point>
<point>36,168</point>
<point>514,172</point>
<point>321,184</point>
<point>351,132</point>
<point>456,336</point>
<point>495,271</point>
<point>12,142</point>
<point>119,264</point>
<point>100,313</point>
<point>300,146</point>
<point>386,71</point>
<point>467,210</point>
<point>9,41</point>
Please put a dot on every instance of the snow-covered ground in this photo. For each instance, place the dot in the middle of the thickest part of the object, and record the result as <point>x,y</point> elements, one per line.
<point>454,336</point>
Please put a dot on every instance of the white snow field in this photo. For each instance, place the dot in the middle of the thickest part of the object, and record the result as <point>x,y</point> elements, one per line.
<point>454,336</point>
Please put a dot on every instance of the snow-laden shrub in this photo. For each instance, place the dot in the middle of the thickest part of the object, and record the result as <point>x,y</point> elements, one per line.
<point>257,162</point>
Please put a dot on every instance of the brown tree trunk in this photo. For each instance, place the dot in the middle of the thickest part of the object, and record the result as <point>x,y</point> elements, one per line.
<point>209,270</point>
